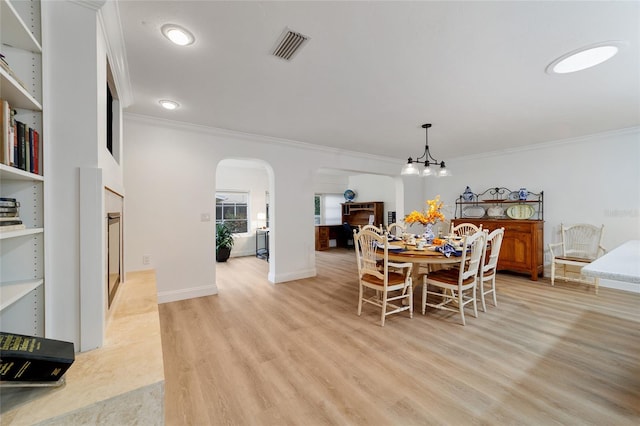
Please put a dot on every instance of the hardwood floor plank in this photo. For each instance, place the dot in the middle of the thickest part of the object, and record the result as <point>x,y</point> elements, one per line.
<point>297,353</point>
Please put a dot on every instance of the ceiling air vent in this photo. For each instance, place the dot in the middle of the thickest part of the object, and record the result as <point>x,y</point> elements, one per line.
<point>290,42</point>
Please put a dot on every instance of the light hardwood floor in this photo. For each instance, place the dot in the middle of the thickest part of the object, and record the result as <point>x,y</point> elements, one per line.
<point>298,354</point>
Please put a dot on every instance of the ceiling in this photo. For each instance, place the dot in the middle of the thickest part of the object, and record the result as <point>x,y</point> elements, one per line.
<point>373,72</point>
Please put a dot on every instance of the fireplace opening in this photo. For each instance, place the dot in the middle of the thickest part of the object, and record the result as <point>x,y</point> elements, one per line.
<point>113,255</point>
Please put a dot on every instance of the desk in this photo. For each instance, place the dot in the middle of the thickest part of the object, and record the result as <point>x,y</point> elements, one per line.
<point>620,264</point>
<point>262,243</point>
<point>325,233</point>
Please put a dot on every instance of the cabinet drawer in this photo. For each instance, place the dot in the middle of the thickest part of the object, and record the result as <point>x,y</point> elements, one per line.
<point>518,227</point>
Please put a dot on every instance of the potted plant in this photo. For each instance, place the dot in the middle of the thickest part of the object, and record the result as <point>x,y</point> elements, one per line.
<point>224,242</point>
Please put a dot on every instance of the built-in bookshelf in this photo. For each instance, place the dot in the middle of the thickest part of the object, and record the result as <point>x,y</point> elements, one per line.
<point>22,250</point>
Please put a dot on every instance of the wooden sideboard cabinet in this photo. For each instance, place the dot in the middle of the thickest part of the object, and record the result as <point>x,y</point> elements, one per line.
<point>522,246</point>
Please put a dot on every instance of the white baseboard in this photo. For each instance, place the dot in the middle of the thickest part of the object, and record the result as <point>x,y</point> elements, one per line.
<point>237,253</point>
<point>187,293</point>
<point>291,276</point>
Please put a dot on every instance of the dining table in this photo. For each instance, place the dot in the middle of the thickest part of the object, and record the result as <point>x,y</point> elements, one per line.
<point>401,252</point>
<point>424,257</point>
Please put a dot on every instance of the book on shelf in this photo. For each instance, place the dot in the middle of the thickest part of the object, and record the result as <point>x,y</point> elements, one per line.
<point>36,152</point>
<point>9,202</point>
<point>22,145</point>
<point>8,228</point>
<point>26,152</point>
<point>5,132</point>
<point>5,221</point>
<point>33,359</point>
<point>13,213</point>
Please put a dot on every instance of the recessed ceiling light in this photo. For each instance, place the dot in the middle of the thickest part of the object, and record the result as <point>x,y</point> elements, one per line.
<point>177,34</point>
<point>170,105</point>
<point>585,57</point>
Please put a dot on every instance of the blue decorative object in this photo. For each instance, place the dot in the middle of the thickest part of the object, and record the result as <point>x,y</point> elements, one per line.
<point>429,235</point>
<point>448,250</point>
<point>349,195</point>
<point>467,195</point>
<point>523,194</point>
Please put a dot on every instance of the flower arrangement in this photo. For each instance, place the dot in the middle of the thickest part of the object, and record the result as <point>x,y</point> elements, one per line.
<point>431,215</point>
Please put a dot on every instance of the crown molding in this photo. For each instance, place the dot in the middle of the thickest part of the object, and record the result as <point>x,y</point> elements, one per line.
<point>109,17</point>
<point>90,4</point>
<point>551,144</point>
<point>252,137</point>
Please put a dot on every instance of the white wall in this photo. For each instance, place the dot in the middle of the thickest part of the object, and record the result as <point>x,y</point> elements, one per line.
<point>249,177</point>
<point>594,179</point>
<point>169,171</point>
<point>326,182</point>
<point>370,187</point>
<point>75,51</point>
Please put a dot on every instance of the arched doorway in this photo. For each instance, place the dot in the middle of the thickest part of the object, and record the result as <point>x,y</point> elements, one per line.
<point>244,190</point>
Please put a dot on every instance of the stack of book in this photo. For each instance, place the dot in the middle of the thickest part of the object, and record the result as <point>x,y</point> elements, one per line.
<point>20,143</point>
<point>33,359</point>
<point>9,215</point>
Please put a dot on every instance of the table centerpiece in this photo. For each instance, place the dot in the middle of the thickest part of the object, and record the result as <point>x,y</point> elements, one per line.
<point>427,217</point>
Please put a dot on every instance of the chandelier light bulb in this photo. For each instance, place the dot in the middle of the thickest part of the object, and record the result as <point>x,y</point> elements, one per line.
<point>411,169</point>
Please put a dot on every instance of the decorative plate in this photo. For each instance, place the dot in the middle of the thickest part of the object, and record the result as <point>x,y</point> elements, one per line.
<point>520,211</point>
<point>349,195</point>
<point>495,211</point>
<point>514,196</point>
<point>473,212</point>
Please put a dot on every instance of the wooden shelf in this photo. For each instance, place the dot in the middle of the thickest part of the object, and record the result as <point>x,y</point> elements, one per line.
<point>356,214</point>
<point>497,196</point>
<point>15,32</point>
<point>17,95</point>
<point>12,173</point>
<point>498,202</point>
<point>22,250</point>
<point>20,233</point>
<point>12,291</point>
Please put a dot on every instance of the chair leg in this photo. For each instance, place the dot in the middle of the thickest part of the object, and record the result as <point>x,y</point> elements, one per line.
<point>475,304</point>
<point>597,281</point>
<point>493,286</point>
<point>553,272</point>
<point>360,300</point>
<point>411,302</point>
<point>384,307</point>
<point>484,306</point>
<point>424,295</point>
<point>461,307</point>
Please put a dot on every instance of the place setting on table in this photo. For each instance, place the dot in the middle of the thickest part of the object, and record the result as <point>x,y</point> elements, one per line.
<point>426,244</point>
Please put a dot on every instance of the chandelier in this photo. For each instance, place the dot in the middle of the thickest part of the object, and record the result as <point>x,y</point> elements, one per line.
<point>411,168</point>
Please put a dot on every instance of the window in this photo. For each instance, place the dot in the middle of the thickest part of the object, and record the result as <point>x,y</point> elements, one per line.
<point>328,210</point>
<point>232,209</point>
<point>113,117</point>
<point>317,215</point>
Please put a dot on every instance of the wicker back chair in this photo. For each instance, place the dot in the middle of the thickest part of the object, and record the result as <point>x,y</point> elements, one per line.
<point>581,244</point>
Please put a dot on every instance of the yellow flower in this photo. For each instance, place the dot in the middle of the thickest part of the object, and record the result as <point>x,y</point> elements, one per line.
<point>431,214</point>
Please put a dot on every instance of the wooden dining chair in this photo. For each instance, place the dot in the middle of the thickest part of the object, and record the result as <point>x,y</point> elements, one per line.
<point>376,229</point>
<point>464,229</point>
<point>489,266</point>
<point>581,244</point>
<point>391,282</point>
<point>457,285</point>
<point>396,229</point>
